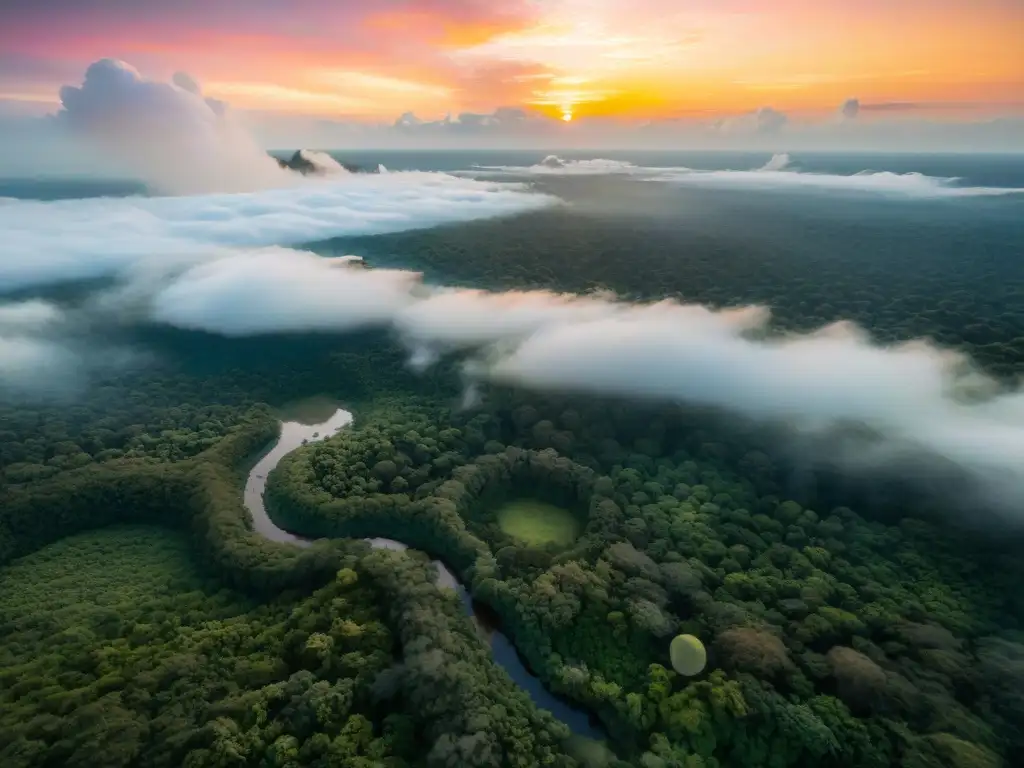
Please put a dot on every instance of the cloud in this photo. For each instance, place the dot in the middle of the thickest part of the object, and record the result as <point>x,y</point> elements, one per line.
<point>764,121</point>
<point>770,120</point>
<point>179,140</point>
<point>279,290</point>
<point>195,260</point>
<point>246,46</point>
<point>892,106</point>
<point>31,361</point>
<point>767,129</point>
<point>863,406</point>
<point>918,400</point>
<point>451,319</point>
<point>31,367</point>
<point>63,241</point>
<point>779,174</point>
<point>553,165</point>
<point>778,162</point>
<point>511,120</point>
<point>166,134</point>
<point>771,178</point>
<point>196,263</point>
<point>33,315</point>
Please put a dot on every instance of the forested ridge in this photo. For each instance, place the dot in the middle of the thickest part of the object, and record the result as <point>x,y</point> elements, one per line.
<point>143,622</point>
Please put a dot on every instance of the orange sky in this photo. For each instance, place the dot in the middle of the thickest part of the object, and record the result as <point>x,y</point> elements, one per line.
<point>634,59</point>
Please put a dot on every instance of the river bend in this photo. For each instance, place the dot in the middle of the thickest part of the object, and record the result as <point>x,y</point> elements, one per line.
<point>295,434</point>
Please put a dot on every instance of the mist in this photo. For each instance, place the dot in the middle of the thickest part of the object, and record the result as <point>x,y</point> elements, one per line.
<point>32,367</point>
<point>49,352</point>
<point>916,399</point>
<point>48,243</point>
<point>253,293</point>
<point>182,265</point>
<point>780,174</point>
<point>37,359</point>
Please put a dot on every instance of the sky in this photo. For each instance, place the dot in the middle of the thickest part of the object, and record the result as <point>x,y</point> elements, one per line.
<point>296,65</point>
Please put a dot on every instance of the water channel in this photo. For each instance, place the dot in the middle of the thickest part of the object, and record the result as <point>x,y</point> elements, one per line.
<point>295,434</point>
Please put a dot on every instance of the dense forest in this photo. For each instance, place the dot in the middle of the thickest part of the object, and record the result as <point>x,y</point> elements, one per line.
<point>144,623</point>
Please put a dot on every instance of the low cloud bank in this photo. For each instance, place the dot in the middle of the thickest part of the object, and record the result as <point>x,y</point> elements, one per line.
<point>48,352</point>
<point>779,174</point>
<point>31,360</point>
<point>553,165</point>
<point>31,367</point>
<point>909,403</point>
<point>452,319</point>
<point>887,183</point>
<point>29,316</point>
<point>64,241</point>
<point>277,291</point>
<point>918,401</point>
<point>915,400</point>
<point>763,121</point>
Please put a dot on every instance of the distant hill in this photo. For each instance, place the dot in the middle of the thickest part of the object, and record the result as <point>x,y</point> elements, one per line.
<point>313,162</point>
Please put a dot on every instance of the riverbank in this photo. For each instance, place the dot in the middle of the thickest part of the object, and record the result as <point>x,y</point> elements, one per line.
<point>295,434</point>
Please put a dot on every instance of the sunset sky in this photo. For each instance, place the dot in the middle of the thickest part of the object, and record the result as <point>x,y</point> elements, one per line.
<point>629,59</point>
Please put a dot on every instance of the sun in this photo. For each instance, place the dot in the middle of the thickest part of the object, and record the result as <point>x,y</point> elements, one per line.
<point>567,113</point>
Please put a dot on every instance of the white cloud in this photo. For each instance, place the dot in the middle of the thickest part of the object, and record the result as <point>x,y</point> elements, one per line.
<point>905,185</point>
<point>30,360</point>
<point>763,121</point>
<point>178,140</point>
<point>768,129</point>
<point>459,318</point>
<point>279,290</point>
<point>918,400</point>
<point>31,316</point>
<point>921,401</point>
<point>206,262</point>
<point>186,82</point>
<point>501,120</point>
<point>166,134</point>
<point>32,366</point>
<point>780,173</point>
<point>553,165</point>
<point>62,241</point>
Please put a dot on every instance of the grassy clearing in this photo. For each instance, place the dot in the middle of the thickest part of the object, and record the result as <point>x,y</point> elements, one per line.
<point>536,523</point>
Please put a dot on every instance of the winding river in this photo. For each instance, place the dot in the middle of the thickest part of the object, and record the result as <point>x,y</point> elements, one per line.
<point>294,434</point>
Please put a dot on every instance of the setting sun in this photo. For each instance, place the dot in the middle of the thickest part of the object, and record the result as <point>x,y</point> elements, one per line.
<point>567,113</point>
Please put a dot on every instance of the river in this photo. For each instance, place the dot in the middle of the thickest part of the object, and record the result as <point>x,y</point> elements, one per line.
<point>294,434</point>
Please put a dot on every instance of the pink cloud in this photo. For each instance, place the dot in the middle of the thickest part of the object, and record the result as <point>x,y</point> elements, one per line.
<point>250,40</point>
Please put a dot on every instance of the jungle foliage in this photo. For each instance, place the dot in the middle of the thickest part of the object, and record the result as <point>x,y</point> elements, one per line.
<point>843,625</point>
<point>833,639</point>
